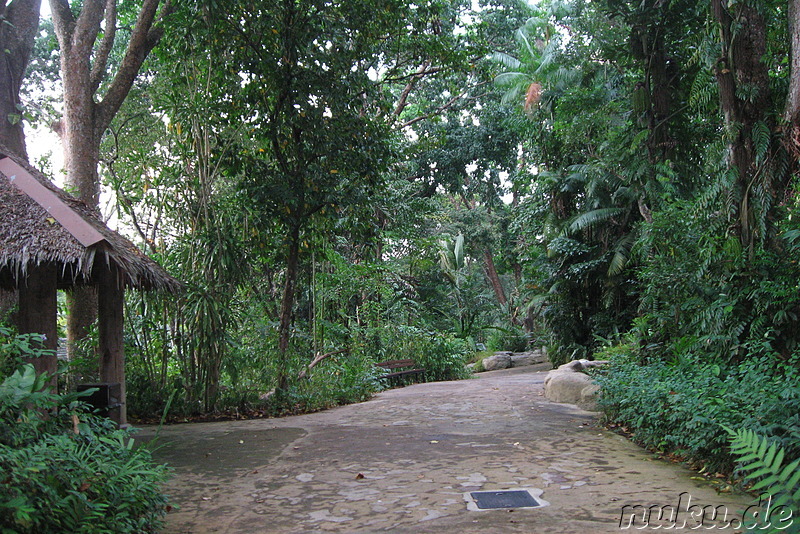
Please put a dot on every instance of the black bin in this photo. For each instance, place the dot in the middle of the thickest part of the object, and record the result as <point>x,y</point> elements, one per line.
<point>106,400</point>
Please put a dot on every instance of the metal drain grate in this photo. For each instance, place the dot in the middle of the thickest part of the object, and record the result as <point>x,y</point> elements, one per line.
<point>504,499</point>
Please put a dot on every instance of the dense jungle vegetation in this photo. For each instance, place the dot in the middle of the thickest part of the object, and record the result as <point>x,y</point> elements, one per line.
<point>349,182</point>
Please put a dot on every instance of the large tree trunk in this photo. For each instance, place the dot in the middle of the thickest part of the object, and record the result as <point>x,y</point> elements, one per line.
<point>743,40</point>
<point>20,20</point>
<point>494,279</point>
<point>86,116</point>
<point>792,111</point>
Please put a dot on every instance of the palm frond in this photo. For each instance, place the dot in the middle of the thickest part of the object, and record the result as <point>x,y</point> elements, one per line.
<point>591,218</point>
<point>508,79</point>
<point>507,60</point>
<point>622,254</point>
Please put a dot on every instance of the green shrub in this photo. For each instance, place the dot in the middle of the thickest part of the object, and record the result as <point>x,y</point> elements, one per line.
<point>443,356</point>
<point>678,406</point>
<point>513,339</point>
<point>65,470</point>
<point>14,348</point>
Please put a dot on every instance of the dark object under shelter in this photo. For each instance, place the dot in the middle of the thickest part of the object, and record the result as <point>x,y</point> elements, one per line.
<point>49,241</point>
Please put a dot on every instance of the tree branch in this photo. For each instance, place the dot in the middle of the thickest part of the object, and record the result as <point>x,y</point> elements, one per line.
<point>421,72</point>
<point>101,57</point>
<point>316,360</point>
<point>144,38</point>
<point>438,110</point>
<point>402,102</point>
<point>87,27</point>
<point>64,23</point>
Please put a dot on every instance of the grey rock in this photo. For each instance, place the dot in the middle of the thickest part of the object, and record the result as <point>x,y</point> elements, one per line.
<point>521,359</point>
<point>565,386</point>
<point>497,361</point>
<point>588,400</point>
<point>568,384</point>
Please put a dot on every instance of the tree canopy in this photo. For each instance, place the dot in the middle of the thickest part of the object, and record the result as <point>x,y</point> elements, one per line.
<point>341,183</point>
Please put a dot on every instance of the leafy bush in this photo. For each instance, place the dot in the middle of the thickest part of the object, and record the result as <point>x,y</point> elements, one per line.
<point>442,356</point>
<point>514,339</point>
<point>678,406</point>
<point>65,470</point>
<point>15,347</point>
<point>764,462</point>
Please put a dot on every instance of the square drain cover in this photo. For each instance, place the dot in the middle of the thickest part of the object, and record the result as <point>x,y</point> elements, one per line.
<point>492,500</point>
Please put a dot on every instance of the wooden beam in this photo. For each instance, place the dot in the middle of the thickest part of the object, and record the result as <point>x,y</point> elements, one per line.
<point>38,313</point>
<point>110,299</point>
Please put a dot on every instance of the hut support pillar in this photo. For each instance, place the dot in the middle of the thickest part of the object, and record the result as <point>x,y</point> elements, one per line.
<point>110,303</point>
<point>38,313</point>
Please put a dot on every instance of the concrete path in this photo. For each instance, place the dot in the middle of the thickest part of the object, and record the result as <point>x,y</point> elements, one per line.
<point>404,461</point>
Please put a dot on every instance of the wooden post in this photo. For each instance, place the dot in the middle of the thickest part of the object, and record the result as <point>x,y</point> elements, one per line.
<point>110,300</point>
<point>38,313</point>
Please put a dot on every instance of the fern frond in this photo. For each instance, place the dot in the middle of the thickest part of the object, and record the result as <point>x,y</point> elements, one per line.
<point>764,462</point>
<point>761,137</point>
<point>622,253</point>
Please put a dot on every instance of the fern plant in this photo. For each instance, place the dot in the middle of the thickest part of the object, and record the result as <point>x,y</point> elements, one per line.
<point>764,463</point>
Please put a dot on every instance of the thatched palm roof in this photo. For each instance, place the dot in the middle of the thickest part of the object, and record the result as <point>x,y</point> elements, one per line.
<point>40,223</point>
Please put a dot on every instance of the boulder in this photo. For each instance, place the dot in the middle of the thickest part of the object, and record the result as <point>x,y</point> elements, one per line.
<point>521,359</point>
<point>589,396</point>
<point>565,386</point>
<point>569,384</point>
<point>499,360</point>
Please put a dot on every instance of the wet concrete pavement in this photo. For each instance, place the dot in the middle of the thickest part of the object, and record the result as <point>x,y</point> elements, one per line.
<point>404,461</point>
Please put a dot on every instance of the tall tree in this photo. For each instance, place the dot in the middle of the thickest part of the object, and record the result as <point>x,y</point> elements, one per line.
<point>19,20</point>
<point>88,110</point>
<point>747,103</point>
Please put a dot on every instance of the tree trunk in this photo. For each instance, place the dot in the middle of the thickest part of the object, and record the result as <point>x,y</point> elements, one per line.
<point>792,111</point>
<point>20,21</point>
<point>494,279</point>
<point>83,67</point>
<point>743,40</point>
<point>287,304</point>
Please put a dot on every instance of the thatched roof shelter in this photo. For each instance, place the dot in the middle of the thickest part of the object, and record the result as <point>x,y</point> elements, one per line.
<point>50,240</point>
<point>40,223</point>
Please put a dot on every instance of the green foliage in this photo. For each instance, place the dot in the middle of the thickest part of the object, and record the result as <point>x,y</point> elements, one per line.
<point>513,339</point>
<point>763,463</point>
<point>442,356</point>
<point>14,348</point>
<point>678,406</point>
<point>65,470</point>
